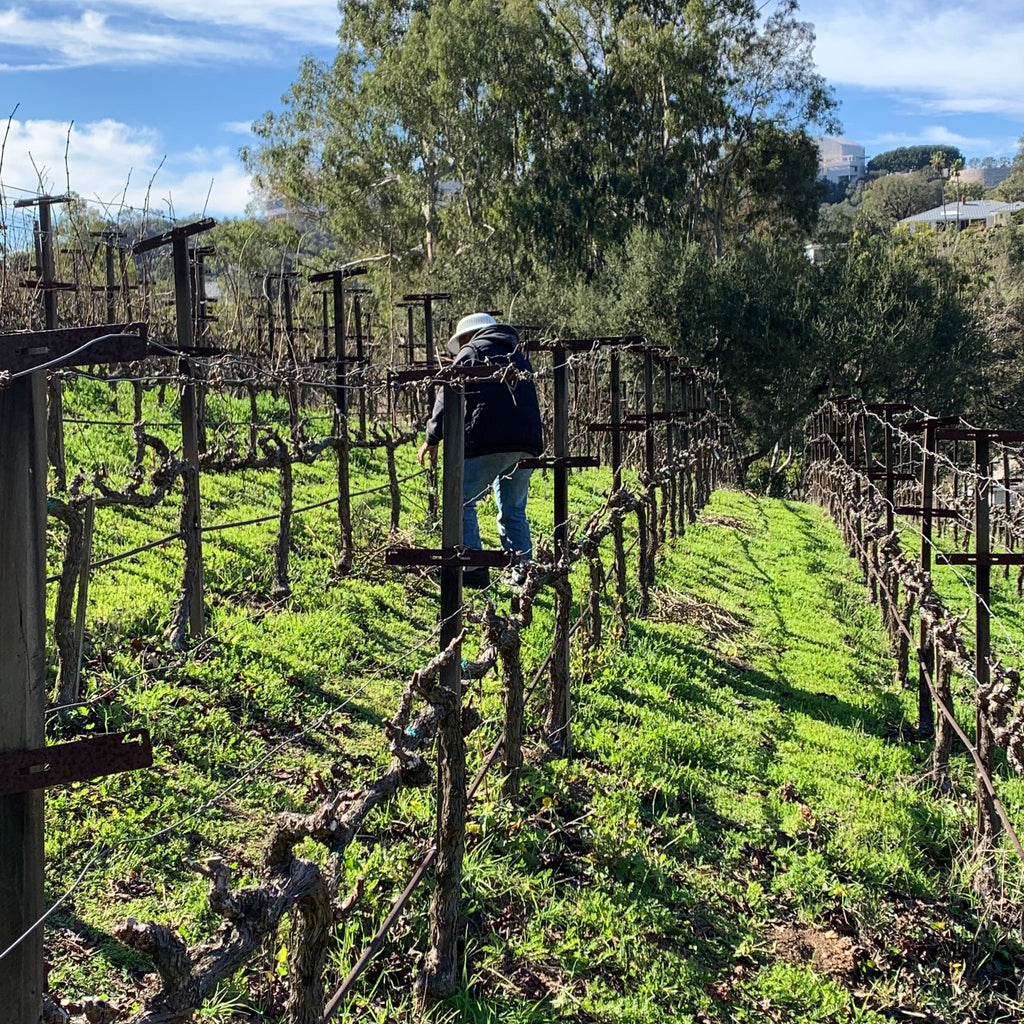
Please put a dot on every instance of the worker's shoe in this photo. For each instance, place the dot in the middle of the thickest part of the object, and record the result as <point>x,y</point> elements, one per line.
<point>476,577</point>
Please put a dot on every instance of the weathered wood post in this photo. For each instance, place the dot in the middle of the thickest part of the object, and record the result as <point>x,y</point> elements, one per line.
<point>687,513</point>
<point>440,975</point>
<point>292,376</point>
<point>55,385</point>
<point>928,655</point>
<point>357,315</point>
<point>281,587</point>
<point>615,428</point>
<point>557,730</point>
<point>191,517</point>
<point>26,766</point>
<point>23,462</point>
<point>48,286</point>
<point>109,241</point>
<point>85,573</point>
<point>890,471</point>
<point>988,821</point>
<point>344,564</point>
<point>1008,538</point>
<point>429,360</point>
<point>670,456</point>
<point>188,612</point>
<point>649,450</point>
<point>201,320</point>
<point>325,325</point>
<point>345,544</point>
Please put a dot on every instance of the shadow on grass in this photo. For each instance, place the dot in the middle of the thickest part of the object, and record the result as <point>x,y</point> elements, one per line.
<point>747,681</point>
<point>93,942</point>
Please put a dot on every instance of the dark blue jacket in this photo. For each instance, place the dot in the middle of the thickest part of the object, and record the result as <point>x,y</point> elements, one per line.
<point>499,417</point>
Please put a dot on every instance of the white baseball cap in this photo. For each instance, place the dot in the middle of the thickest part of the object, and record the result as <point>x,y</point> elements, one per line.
<point>468,325</point>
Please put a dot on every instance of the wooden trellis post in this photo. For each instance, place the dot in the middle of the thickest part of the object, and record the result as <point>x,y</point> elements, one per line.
<point>649,451</point>
<point>615,428</point>
<point>23,458</point>
<point>429,360</point>
<point>929,657</point>
<point>440,969</point>
<point>668,362</point>
<point>337,279</point>
<point>48,286</point>
<point>190,606</point>
<point>557,727</point>
<point>357,315</point>
<point>982,559</point>
<point>439,976</point>
<point>25,766</point>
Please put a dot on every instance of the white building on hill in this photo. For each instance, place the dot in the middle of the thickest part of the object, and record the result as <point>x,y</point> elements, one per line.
<point>840,161</point>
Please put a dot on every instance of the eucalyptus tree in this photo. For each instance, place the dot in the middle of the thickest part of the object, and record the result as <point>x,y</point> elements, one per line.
<point>421,111</point>
<point>547,130</point>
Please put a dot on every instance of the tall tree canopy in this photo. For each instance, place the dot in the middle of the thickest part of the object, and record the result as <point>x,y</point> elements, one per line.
<point>895,196</point>
<point>911,158</point>
<point>549,129</point>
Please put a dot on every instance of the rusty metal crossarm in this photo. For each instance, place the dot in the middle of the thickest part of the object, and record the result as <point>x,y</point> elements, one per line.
<point>935,513</point>
<point>982,558</point>
<point>20,204</point>
<point>342,273</point>
<point>598,428</point>
<point>1001,436</point>
<point>630,341</point>
<point>166,237</point>
<point>447,558</point>
<point>569,462</point>
<point>73,346</point>
<point>457,374</point>
<point>78,761</point>
<point>931,421</point>
<point>40,285</point>
<point>881,474</point>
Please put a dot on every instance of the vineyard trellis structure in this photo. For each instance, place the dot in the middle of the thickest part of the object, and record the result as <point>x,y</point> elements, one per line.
<point>888,473</point>
<point>677,412</point>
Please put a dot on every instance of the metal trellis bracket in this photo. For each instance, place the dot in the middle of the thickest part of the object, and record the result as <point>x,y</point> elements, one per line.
<point>75,762</point>
<point>122,343</point>
<point>447,558</point>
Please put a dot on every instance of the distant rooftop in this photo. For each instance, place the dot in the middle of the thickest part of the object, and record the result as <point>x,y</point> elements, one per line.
<point>972,210</point>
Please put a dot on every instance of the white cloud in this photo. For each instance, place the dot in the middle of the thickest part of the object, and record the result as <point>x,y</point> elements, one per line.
<point>946,55</point>
<point>93,38</point>
<point>115,164</point>
<point>237,127</point>
<point>939,135</point>
<point>310,21</point>
<point>51,34</point>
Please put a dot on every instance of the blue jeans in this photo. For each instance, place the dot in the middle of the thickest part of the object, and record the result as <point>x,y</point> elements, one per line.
<point>511,487</point>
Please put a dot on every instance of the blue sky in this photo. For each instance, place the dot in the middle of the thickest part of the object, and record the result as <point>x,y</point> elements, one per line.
<point>162,92</point>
